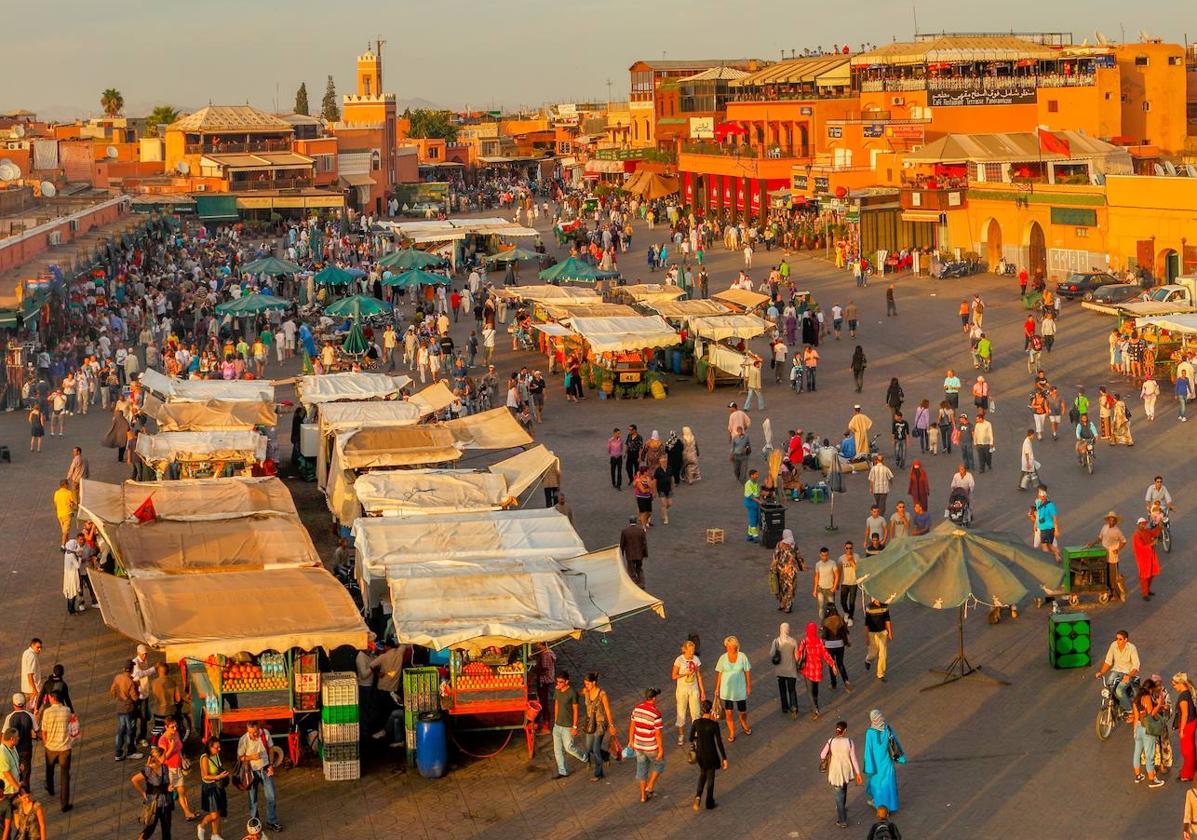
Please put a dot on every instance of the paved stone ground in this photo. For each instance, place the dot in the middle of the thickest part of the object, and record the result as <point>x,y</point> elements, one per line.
<point>1013,761</point>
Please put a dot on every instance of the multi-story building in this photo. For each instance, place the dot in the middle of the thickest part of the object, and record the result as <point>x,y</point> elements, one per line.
<point>647,77</point>
<point>1154,98</point>
<point>367,137</point>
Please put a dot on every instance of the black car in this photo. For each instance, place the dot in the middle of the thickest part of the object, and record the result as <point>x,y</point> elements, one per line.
<point>1117,293</point>
<point>1083,283</point>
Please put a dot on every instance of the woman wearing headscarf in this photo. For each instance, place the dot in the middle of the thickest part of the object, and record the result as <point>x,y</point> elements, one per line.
<point>811,656</point>
<point>783,653</point>
<point>674,455</point>
<point>882,751</point>
<point>894,395</point>
<point>920,486</point>
<point>783,571</point>
<point>690,471</point>
<point>1120,423</point>
<point>859,363</point>
<point>651,450</point>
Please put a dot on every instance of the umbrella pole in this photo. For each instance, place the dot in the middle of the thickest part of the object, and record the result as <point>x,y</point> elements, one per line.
<point>831,526</point>
<point>960,667</point>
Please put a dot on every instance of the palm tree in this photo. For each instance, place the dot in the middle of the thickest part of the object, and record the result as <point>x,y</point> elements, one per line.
<point>112,102</point>
<point>161,115</point>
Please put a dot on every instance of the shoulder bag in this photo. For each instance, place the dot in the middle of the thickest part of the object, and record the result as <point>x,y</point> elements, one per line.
<point>776,657</point>
<point>802,656</point>
<point>895,749</point>
<point>825,759</point>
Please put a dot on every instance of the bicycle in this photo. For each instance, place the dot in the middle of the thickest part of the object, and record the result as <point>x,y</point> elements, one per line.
<point>1166,533</point>
<point>1088,458</point>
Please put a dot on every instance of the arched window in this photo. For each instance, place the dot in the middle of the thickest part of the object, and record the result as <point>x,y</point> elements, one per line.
<point>375,160</point>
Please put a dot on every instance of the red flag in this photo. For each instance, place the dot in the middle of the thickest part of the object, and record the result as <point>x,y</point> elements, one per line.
<point>1049,142</point>
<point>146,512</point>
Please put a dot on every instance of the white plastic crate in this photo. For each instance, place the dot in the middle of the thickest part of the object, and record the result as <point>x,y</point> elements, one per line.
<point>340,733</point>
<point>341,771</point>
<point>339,689</point>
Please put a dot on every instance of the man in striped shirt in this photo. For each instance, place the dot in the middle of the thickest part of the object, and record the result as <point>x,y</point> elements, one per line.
<point>644,736</point>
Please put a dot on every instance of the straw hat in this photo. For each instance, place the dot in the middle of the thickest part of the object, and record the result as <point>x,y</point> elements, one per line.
<point>1114,516</point>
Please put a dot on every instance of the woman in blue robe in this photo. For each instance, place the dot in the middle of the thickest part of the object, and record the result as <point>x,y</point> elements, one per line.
<point>879,764</point>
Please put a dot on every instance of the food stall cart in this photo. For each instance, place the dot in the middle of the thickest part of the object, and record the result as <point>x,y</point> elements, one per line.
<point>1171,336</point>
<point>202,454</point>
<point>619,347</point>
<point>720,351</point>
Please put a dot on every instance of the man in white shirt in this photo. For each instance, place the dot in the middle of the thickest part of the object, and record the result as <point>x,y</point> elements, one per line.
<point>880,477</point>
<point>737,419</point>
<point>983,441</point>
<point>1027,464</point>
<point>963,480</point>
<point>31,671</point>
<point>827,575</point>
<point>253,748</point>
<point>1122,665</point>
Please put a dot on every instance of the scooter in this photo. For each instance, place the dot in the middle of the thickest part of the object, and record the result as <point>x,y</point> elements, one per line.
<point>1110,713</point>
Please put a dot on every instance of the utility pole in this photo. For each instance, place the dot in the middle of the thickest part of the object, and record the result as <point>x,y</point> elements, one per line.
<point>378,42</point>
<point>608,94</point>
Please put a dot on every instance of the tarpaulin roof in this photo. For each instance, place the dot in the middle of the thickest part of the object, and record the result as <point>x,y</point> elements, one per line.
<point>453,229</point>
<point>649,293</point>
<point>202,390</point>
<point>741,298</point>
<point>525,469</point>
<point>493,429</point>
<point>249,611</point>
<point>956,49</point>
<point>186,499</point>
<point>719,327</point>
<point>552,328</point>
<point>826,70</point>
<point>202,446</point>
<point>168,546</point>
<point>1012,147</point>
<point>687,308</point>
<point>540,533</point>
<point>611,335</point>
<point>432,399</point>
<point>1180,323</point>
<point>554,294</point>
<point>569,311</point>
<point>475,604</point>
<point>337,387</point>
<point>343,416</point>
<point>211,415</point>
<point>655,186</point>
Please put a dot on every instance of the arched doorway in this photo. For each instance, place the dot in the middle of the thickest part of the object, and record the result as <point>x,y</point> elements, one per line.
<point>993,243</point>
<point>1168,265</point>
<point>1036,251</point>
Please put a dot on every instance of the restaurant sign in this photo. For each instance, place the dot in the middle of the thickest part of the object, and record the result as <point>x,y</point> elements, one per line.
<point>702,128</point>
<point>800,181</point>
<point>874,130</point>
<point>996,96</point>
<point>835,131</point>
<point>822,185</point>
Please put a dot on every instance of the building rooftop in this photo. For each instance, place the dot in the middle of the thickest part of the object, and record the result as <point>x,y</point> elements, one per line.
<point>696,64</point>
<point>300,119</point>
<point>715,74</point>
<point>956,49</point>
<point>1010,147</point>
<point>229,119</point>
<point>797,71</point>
<point>257,160</point>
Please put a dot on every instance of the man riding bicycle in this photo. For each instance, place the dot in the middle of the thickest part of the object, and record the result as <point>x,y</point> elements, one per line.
<point>1122,666</point>
<point>1158,492</point>
<point>1086,434</point>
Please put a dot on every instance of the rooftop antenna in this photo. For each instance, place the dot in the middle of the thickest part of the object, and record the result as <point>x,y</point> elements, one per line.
<point>914,10</point>
<point>608,94</point>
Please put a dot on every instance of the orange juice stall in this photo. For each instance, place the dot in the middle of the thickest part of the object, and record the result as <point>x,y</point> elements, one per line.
<point>621,351</point>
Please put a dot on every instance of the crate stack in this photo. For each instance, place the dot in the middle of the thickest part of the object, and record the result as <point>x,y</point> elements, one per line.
<point>421,693</point>
<point>340,728</point>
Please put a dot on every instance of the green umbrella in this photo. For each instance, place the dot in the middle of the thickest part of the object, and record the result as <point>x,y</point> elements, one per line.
<point>357,306</point>
<point>271,266</point>
<point>252,304</point>
<point>574,269</point>
<point>417,277</point>
<point>410,258</point>
<point>950,567</point>
<point>355,342</point>
<point>334,276</point>
<point>514,255</point>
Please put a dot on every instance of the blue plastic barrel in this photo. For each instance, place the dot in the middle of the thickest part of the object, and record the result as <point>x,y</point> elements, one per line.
<point>431,745</point>
<point>676,361</point>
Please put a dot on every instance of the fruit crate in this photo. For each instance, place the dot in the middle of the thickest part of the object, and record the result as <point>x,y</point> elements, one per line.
<point>340,714</point>
<point>334,753</point>
<point>339,688</point>
<point>340,733</point>
<point>342,771</point>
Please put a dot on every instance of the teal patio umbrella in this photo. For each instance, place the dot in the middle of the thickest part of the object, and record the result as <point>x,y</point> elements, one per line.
<point>952,567</point>
<point>334,276</point>
<point>410,258</point>
<point>252,304</point>
<point>576,270</point>
<point>355,342</point>
<point>357,307</point>
<point>514,255</point>
<point>271,266</point>
<point>417,277</point>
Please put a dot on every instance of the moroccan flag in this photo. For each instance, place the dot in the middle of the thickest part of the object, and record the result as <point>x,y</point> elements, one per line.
<point>1049,142</point>
<point>145,512</point>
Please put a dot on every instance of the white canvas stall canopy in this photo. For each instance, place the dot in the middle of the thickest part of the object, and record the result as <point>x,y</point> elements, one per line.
<point>201,446</point>
<point>186,499</point>
<point>476,604</point>
<point>493,429</point>
<point>720,327</point>
<point>338,417</point>
<point>169,546</point>
<point>211,415</point>
<point>566,312</point>
<point>243,612</point>
<point>740,300</point>
<point>649,293</point>
<point>338,387</point>
<point>427,492</point>
<point>455,229</point>
<point>551,328</point>
<point>1180,323</point>
<point>432,399</point>
<point>683,309</point>
<point>729,360</point>
<point>553,294</point>
<point>613,335</point>
<point>203,390</point>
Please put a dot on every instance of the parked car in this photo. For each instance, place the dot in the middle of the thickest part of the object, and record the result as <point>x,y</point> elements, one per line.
<point>1116,293</point>
<point>1083,283</point>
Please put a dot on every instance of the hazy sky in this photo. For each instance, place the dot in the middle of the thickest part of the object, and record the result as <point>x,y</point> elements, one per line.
<point>57,55</point>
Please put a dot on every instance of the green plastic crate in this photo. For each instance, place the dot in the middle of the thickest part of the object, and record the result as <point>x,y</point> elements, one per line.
<point>339,714</point>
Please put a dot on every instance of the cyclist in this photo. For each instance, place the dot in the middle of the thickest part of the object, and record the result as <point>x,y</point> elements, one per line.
<point>1158,492</point>
<point>1086,434</point>
<point>1122,667</point>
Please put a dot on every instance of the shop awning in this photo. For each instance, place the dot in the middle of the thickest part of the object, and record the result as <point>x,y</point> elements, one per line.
<point>607,167</point>
<point>1181,323</point>
<point>201,446</point>
<point>493,429</point>
<point>719,327</point>
<point>682,309</point>
<point>356,179</point>
<point>432,399</point>
<point>186,499</point>
<point>649,292</point>
<point>335,387</point>
<point>344,416</point>
<point>216,208</point>
<point>243,612</point>
<point>212,415</point>
<point>612,335</point>
<point>926,216</point>
<point>741,299</point>
<point>203,390</point>
<point>172,547</point>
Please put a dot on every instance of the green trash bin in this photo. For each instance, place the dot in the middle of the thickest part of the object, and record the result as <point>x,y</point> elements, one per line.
<point>1069,641</point>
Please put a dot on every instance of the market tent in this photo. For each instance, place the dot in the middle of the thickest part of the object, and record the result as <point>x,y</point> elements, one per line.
<point>741,299</point>
<point>573,269</point>
<point>1180,323</point>
<point>552,294</point>
<point>424,492</point>
<point>357,307</point>
<point>243,612</point>
<point>493,429</point>
<point>525,469</point>
<point>513,255</point>
<point>410,258</point>
<point>355,414</point>
<point>552,328</point>
<point>602,578</point>
<point>649,292</point>
<point>654,186</point>
<point>252,305</point>
<point>185,499</point>
<point>206,446</point>
<point>171,546</point>
<point>569,311</point>
<point>202,390</point>
<point>612,335</point>
<point>271,266</point>
<point>349,386</point>
<point>334,275</point>
<point>417,277</point>
<point>432,399</point>
<point>209,416</point>
<point>682,309</point>
<point>629,186</point>
<point>719,327</point>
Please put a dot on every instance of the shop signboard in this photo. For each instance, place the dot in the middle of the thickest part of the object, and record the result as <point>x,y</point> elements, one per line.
<point>822,184</point>
<point>995,96</point>
<point>906,132</point>
<point>702,128</point>
<point>806,110</point>
<point>799,182</point>
<point>874,130</point>
<point>835,131</point>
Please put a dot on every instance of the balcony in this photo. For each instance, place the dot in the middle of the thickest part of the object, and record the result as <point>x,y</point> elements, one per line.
<point>938,198</point>
<point>892,85</point>
<point>252,184</point>
<point>766,151</point>
<point>231,147</point>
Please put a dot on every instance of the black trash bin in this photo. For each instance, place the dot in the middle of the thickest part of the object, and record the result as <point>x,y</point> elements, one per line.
<point>773,522</point>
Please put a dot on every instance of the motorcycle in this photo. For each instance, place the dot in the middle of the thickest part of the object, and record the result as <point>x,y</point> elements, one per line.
<point>1088,458</point>
<point>1110,713</point>
<point>1166,533</point>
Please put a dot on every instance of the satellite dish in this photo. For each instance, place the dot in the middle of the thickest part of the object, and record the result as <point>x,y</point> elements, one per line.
<point>112,152</point>
<point>9,171</point>
<point>48,189</point>
<point>183,167</point>
<point>18,130</point>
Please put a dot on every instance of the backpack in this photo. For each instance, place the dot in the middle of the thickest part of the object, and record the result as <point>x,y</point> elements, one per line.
<point>881,831</point>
